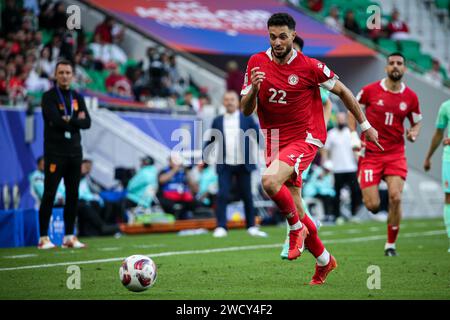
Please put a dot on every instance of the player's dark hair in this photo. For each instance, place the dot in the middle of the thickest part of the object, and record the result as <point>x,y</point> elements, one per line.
<point>397,54</point>
<point>64,62</point>
<point>39,159</point>
<point>280,20</point>
<point>300,42</point>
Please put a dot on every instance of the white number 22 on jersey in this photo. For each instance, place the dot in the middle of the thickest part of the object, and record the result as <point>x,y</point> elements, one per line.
<point>274,95</point>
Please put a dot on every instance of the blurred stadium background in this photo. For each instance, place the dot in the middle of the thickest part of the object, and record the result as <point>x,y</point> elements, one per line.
<point>148,68</point>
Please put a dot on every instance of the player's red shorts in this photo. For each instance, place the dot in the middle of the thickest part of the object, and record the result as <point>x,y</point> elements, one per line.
<point>297,154</point>
<point>373,167</point>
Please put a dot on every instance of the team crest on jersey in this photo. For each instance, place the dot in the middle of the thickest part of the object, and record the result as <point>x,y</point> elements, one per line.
<point>380,103</point>
<point>403,106</point>
<point>293,79</point>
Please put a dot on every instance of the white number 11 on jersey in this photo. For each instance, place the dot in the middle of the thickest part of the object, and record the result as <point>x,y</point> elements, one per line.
<point>389,118</point>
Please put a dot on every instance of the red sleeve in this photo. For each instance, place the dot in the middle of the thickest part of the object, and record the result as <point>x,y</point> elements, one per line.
<point>246,87</point>
<point>362,96</point>
<point>415,115</point>
<point>325,77</point>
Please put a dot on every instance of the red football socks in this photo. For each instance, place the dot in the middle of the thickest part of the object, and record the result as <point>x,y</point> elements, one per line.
<point>285,203</point>
<point>312,242</point>
<point>392,232</point>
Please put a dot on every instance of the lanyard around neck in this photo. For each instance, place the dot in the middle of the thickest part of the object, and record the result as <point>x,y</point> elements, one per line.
<point>61,98</point>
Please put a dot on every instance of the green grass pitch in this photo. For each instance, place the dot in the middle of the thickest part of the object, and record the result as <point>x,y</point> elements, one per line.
<point>240,267</point>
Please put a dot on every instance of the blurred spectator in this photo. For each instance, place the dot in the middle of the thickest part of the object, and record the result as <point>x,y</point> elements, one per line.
<point>142,188</point>
<point>397,29</point>
<point>88,60</point>
<point>93,212</point>
<point>104,30</point>
<point>109,31</point>
<point>315,5</point>
<point>67,48</point>
<point>82,78</point>
<point>55,47</point>
<point>207,185</point>
<point>45,66</point>
<point>191,101</point>
<point>338,150</point>
<point>350,23</point>
<point>37,185</point>
<point>235,77</point>
<point>118,84</point>
<point>178,83</point>
<point>33,81</point>
<point>32,6</point>
<point>3,87</point>
<point>177,189</point>
<point>107,52</point>
<point>59,19</point>
<point>204,100</point>
<point>11,17</point>
<point>435,76</point>
<point>46,16</point>
<point>320,186</point>
<point>332,20</point>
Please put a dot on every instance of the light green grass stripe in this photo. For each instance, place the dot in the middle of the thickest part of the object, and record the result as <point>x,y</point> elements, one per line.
<point>228,249</point>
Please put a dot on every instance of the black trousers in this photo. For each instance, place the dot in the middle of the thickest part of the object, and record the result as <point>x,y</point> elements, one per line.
<point>179,209</point>
<point>347,179</point>
<point>91,220</point>
<point>243,181</point>
<point>56,168</point>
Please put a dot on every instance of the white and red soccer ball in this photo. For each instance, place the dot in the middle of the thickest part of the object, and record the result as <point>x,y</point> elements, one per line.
<point>138,273</point>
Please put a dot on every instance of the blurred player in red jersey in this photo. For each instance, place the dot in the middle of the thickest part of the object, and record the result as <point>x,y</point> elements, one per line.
<point>283,85</point>
<point>387,104</point>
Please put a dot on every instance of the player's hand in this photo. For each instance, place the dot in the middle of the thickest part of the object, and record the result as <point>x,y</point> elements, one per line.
<point>427,164</point>
<point>446,142</point>
<point>411,135</point>
<point>355,141</point>
<point>372,135</point>
<point>66,118</point>
<point>82,115</point>
<point>257,78</point>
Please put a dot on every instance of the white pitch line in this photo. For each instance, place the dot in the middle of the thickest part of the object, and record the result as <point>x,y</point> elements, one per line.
<point>20,256</point>
<point>206,251</point>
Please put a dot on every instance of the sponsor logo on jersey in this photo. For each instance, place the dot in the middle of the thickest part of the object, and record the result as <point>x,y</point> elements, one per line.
<point>380,102</point>
<point>403,106</point>
<point>293,79</point>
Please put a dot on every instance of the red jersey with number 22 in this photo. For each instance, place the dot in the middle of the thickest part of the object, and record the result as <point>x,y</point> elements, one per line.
<point>386,112</point>
<point>289,97</point>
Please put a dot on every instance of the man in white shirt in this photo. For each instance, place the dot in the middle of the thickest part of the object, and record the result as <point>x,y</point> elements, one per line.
<point>234,161</point>
<point>338,149</point>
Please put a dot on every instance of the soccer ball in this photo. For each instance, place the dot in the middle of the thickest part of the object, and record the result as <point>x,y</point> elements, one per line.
<point>138,273</point>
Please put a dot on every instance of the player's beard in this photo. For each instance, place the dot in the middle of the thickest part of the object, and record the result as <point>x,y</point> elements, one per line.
<point>284,54</point>
<point>396,77</point>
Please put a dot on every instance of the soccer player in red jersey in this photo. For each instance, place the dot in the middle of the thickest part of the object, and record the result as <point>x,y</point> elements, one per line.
<point>283,85</point>
<point>387,104</point>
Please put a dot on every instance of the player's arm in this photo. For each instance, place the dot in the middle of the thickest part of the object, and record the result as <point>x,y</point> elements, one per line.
<point>352,105</point>
<point>248,101</point>
<point>435,142</point>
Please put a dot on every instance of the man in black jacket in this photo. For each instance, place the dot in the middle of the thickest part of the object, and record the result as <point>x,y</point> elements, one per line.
<point>65,113</point>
